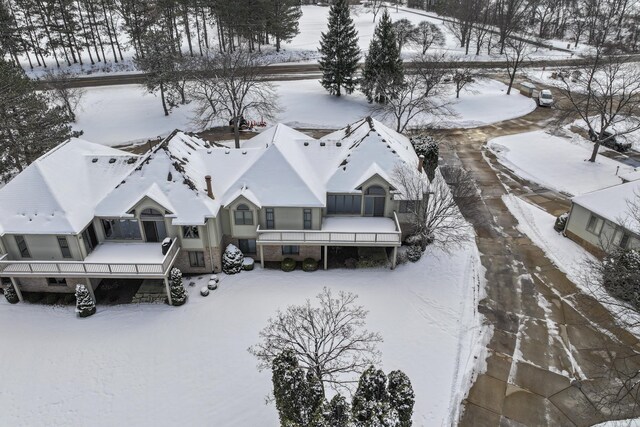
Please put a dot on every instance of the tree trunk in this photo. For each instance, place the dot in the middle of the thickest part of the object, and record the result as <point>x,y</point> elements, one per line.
<point>164,103</point>
<point>236,131</point>
<point>594,153</point>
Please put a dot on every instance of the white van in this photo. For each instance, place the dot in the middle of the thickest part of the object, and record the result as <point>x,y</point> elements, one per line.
<point>545,98</point>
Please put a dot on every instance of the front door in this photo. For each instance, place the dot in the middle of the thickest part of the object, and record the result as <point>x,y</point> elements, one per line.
<point>373,206</point>
<point>154,231</point>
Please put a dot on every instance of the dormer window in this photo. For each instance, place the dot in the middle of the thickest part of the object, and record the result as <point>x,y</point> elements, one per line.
<point>243,215</point>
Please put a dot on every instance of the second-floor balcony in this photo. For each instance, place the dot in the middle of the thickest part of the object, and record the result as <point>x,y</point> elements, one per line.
<point>339,231</point>
<point>109,259</point>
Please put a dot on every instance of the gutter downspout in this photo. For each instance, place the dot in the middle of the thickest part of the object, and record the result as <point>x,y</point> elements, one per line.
<point>209,244</point>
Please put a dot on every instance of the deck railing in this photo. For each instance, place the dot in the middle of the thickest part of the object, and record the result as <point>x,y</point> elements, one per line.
<point>320,237</point>
<point>89,269</point>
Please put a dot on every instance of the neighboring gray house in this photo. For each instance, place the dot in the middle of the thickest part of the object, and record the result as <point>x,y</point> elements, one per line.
<point>84,212</point>
<point>605,218</point>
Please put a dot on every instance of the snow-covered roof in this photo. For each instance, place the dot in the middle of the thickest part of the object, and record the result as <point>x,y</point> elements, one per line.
<point>281,167</point>
<point>58,193</point>
<point>630,176</point>
<point>613,203</point>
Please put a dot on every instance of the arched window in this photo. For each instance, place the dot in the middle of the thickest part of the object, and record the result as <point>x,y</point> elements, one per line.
<point>374,199</point>
<point>375,190</point>
<point>243,215</point>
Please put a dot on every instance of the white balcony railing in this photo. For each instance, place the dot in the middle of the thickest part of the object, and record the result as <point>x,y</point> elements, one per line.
<point>332,237</point>
<point>91,269</point>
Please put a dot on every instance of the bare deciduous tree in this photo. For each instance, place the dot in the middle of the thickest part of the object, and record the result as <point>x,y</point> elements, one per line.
<point>374,6</point>
<point>329,338</point>
<point>228,86</point>
<point>410,103</point>
<point>515,53</point>
<point>428,34</point>
<point>61,90</point>
<point>605,96</point>
<point>434,207</point>
<point>463,74</point>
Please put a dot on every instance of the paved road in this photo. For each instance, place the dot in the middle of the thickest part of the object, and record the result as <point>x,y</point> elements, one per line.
<point>549,357</point>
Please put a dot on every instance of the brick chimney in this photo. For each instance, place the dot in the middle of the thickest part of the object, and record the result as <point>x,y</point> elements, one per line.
<point>421,163</point>
<point>209,190</point>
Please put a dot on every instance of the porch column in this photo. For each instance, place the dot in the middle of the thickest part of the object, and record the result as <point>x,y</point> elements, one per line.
<point>394,257</point>
<point>14,283</point>
<point>90,289</point>
<point>262,257</point>
<point>166,285</point>
<point>325,257</point>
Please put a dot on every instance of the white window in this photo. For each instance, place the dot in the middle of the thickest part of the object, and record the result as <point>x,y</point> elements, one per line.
<point>595,224</point>
<point>64,247</point>
<point>243,215</point>
<point>196,259</point>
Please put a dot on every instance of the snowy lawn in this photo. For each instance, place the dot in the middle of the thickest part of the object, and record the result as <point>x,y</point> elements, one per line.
<point>557,163</point>
<point>116,115</point>
<point>160,365</point>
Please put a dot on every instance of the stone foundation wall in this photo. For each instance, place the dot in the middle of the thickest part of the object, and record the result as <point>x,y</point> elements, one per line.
<point>594,250</point>
<point>274,253</point>
<point>210,265</point>
<point>40,284</point>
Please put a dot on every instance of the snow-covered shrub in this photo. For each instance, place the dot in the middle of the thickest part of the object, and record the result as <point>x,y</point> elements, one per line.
<point>309,264</point>
<point>421,240</point>
<point>232,260</point>
<point>11,295</point>
<point>414,253</point>
<point>178,293</point>
<point>621,276</point>
<point>85,305</point>
<point>426,146</point>
<point>215,278</point>
<point>561,222</point>
<point>401,255</point>
<point>350,263</point>
<point>212,285</point>
<point>248,264</point>
<point>288,264</point>
<point>204,291</point>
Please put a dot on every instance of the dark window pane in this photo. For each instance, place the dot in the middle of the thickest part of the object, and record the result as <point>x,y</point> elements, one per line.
<point>64,247</point>
<point>22,247</point>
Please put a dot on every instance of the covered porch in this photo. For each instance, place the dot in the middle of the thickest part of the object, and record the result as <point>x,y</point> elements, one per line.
<point>339,231</point>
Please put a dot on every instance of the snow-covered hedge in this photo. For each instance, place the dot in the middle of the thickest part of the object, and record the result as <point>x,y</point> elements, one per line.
<point>85,305</point>
<point>178,293</point>
<point>309,264</point>
<point>232,260</point>
<point>414,253</point>
<point>288,264</point>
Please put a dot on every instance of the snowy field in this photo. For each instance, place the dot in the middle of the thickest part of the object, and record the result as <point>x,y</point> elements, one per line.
<point>557,163</point>
<point>160,365</point>
<point>115,115</point>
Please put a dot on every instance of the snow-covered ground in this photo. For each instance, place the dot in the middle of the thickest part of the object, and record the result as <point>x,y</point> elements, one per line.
<point>116,115</point>
<point>537,224</point>
<point>557,163</point>
<point>189,365</point>
<point>623,124</point>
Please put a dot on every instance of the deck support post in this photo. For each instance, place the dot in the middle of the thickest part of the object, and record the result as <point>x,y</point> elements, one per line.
<point>325,257</point>
<point>90,289</point>
<point>14,283</point>
<point>262,257</point>
<point>394,258</point>
<point>168,287</point>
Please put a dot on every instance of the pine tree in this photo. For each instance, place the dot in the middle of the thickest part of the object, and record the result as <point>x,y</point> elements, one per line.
<point>85,305</point>
<point>232,260</point>
<point>29,125</point>
<point>178,293</point>
<point>337,412</point>
<point>383,72</point>
<point>401,397</point>
<point>282,19</point>
<point>10,294</point>
<point>340,51</point>
<point>299,398</point>
<point>371,404</point>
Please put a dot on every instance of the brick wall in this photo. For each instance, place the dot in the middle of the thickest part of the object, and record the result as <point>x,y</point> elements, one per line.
<point>595,250</point>
<point>182,262</point>
<point>40,284</point>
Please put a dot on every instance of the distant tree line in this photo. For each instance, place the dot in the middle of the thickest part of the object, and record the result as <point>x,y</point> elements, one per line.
<point>595,22</point>
<point>56,32</point>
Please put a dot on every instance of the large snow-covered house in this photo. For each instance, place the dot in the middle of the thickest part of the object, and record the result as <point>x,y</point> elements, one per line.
<point>85,212</point>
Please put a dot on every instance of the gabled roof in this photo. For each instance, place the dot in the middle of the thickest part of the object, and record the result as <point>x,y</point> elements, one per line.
<point>58,193</point>
<point>613,203</point>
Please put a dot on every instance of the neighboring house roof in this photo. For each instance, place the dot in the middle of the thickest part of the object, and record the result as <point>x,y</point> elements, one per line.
<point>280,167</point>
<point>630,176</point>
<point>58,193</point>
<point>613,203</point>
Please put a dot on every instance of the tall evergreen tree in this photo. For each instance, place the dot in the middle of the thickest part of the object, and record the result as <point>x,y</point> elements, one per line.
<point>29,125</point>
<point>340,51</point>
<point>401,397</point>
<point>371,403</point>
<point>383,71</point>
<point>282,19</point>
<point>337,412</point>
